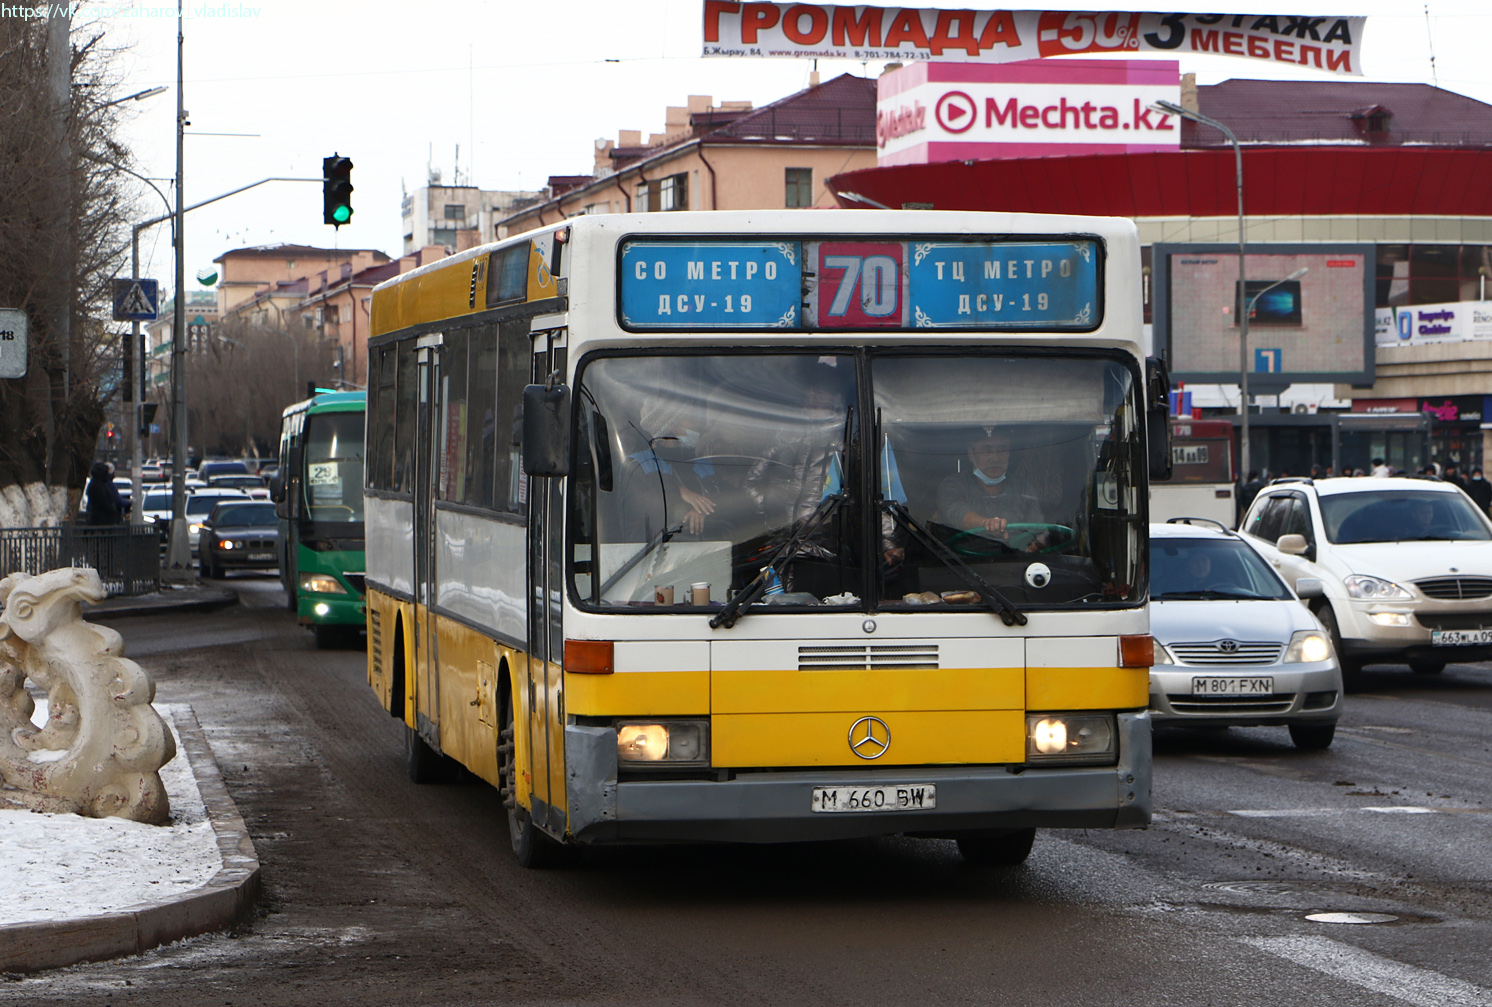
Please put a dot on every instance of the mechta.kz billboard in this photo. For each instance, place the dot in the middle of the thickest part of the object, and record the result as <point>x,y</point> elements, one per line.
<point>929,112</point>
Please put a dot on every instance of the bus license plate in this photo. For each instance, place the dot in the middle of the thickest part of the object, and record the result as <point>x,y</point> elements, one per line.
<point>1459,637</point>
<point>1232,686</point>
<point>903,797</point>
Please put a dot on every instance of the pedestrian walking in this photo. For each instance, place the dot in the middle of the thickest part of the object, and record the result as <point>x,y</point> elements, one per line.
<point>1480,490</point>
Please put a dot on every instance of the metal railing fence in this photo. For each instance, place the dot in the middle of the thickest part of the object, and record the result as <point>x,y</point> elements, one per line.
<point>127,557</point>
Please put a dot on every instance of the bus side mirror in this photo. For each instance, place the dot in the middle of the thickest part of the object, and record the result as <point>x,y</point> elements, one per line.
<point>546,430</point>
<point>277,488</point>
<point>1158,417</point>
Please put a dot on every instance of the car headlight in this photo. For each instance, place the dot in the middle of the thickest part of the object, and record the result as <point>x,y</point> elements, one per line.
<point>1307,647</point>
<point>321,583</point>
<point>675,742</point>
<point>1084,738</point>
<point>1375,589</point>
<point>196,529</point>
<point>225,545</point>
<point>1162,655</point>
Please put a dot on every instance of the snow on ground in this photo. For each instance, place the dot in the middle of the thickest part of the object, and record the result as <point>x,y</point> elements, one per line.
<point>59,867</point>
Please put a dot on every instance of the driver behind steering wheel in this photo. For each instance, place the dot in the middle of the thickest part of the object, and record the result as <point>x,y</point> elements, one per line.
<point>980,498</point>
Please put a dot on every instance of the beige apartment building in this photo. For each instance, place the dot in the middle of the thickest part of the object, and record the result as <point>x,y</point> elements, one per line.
<point>722,157</point>
<point>336,304</point>
<point>246,273</point>
<point>456,217</point>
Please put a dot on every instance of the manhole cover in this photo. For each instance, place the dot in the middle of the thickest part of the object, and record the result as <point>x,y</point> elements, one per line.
<point>1351,918</point>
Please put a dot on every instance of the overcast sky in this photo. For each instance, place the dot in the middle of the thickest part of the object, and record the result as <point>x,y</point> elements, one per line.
<point>525,89</point>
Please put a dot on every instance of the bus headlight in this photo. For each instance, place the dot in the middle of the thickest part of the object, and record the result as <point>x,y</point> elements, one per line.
<point>321,583</point>
<point>675,742</point>
<point>1071,737</point>
<point>1307,647</point>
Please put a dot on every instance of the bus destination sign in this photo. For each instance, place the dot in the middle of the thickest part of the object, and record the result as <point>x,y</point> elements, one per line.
<point>860,284</point>
<point>711,284</point>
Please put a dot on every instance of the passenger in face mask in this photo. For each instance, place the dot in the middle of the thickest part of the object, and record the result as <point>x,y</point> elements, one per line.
<point>980,498</point>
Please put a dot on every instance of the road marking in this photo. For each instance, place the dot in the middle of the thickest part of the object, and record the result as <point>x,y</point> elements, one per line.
<point>1397,809</point>
<point>1408,983</point>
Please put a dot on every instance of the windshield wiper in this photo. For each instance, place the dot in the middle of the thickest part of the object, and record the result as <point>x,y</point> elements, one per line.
<point>988,595</point>
<point>753,591</point>
<point>1205,596</point>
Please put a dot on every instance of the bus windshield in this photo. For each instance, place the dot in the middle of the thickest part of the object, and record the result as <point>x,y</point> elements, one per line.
<point>899,479</point>
<point>334,467</point>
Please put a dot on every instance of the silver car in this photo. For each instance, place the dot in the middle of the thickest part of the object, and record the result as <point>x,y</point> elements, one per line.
<point>1234,646</point>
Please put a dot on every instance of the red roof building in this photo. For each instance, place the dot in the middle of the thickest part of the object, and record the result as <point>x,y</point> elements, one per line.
<point>1403,168</point>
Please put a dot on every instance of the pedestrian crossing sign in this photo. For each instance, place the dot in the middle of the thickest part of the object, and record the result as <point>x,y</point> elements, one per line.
<point>136,300</point>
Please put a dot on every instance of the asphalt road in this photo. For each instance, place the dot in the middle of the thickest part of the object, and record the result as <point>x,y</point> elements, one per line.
<point>378,891</point>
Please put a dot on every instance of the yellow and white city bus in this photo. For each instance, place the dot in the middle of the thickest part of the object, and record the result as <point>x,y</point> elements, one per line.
<point>771,526</point>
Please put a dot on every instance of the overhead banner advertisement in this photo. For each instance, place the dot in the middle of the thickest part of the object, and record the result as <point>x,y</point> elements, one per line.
<point>805,30</point>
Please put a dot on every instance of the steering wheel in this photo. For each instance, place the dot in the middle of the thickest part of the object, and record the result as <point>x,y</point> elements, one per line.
<point>976,542</point>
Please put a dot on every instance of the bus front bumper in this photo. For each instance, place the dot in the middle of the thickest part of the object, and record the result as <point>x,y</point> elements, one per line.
<point>772,807</point>
<point>331,610</point>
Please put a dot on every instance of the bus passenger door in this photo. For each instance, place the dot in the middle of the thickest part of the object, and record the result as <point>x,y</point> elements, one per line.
<point>545,633</point>
<point>426,441</point>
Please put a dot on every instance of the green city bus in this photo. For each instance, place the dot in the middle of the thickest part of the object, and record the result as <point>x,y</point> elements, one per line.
<point>318,494</point>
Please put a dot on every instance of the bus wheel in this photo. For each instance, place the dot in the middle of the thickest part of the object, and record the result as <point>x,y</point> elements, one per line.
<point>531,846</point>
<point>421,761</point>
<point>997,847</point>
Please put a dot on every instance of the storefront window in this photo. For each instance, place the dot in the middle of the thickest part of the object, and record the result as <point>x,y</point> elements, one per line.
<point>1431,274</point>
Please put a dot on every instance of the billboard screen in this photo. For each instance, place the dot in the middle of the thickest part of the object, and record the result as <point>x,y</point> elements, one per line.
<point>1316,328</point>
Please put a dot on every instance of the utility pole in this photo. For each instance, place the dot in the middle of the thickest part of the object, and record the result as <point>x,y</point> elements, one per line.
<point>179,554</point>
<point>59,82</point>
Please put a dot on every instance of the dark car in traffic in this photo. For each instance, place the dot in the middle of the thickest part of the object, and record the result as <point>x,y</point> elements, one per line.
<point>239,535</point>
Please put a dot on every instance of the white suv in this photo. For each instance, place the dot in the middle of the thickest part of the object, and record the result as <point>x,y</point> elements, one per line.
<point>1406,565</point>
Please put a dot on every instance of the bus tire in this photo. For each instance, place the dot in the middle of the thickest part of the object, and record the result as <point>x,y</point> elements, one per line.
<point>997,847</point>
<point>533,849</point>
<point>421,762</point>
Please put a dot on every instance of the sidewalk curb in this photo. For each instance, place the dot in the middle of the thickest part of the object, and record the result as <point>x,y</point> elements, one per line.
<point>201,600</point>
<point>227,898</point>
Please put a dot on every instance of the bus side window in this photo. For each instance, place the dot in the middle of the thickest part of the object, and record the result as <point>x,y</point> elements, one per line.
<point>380,435</point>
<point>456,425</point>
<point>515,352</point>
<point>404,419</point>
<point>480,416</point>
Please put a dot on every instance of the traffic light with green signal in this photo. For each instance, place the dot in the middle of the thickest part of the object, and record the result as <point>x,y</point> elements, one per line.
<point>336,190</point>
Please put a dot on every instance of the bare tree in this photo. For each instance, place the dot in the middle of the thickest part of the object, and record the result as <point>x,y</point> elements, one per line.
<point>242,380</point>
<point>64,211</point>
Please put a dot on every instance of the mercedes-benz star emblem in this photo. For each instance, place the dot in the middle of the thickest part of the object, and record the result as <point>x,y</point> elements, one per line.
<point>870,737</point>
<point>1228,646</point>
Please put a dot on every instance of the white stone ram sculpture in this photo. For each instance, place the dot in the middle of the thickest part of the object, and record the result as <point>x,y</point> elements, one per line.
<point>100,752</point>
